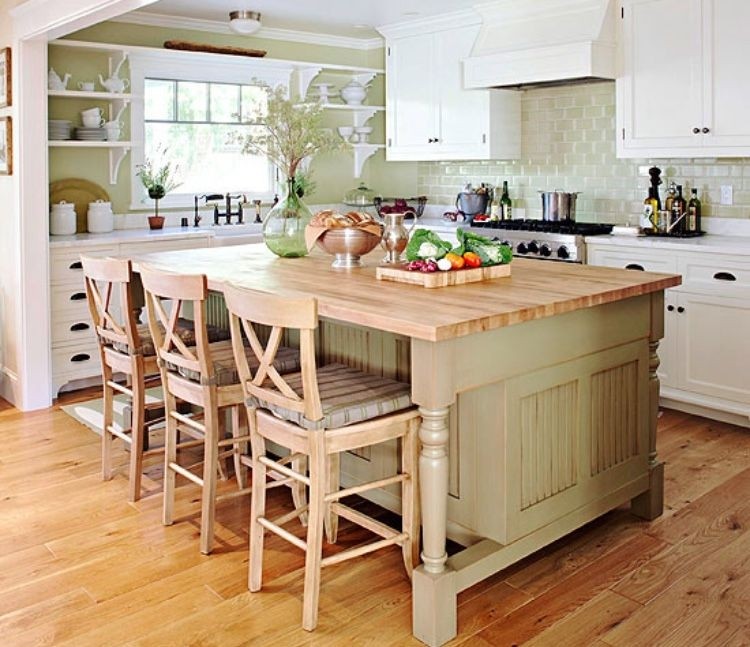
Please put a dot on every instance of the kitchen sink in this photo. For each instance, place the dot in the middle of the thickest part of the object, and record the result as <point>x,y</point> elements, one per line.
<point>225,235</point>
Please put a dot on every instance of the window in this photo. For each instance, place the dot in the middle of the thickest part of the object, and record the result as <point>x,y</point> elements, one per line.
<point>191,110</point>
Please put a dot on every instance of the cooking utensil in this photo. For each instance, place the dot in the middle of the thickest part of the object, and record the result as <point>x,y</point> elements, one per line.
<point>471,204</point>
<point>558,205</point>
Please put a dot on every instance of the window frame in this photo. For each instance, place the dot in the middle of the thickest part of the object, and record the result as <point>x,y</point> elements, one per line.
<point>200,68</point>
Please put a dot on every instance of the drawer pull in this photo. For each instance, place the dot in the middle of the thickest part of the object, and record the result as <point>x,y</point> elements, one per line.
<point>634,266</point>
<point>79,326</point>
<point>670,308</point>
<point>725,276</point>
<point>680,309</point>
<point>80,357</point>
<point>78,296</point>
<point>76,265</point>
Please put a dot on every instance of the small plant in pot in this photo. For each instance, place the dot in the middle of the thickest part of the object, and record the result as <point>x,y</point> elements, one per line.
<point>158,181</point>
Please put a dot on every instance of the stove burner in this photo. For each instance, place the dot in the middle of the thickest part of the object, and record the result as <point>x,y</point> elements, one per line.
<point>547,226</point>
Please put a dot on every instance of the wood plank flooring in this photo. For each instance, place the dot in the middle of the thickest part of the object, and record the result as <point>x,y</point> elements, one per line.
<point>79,565</point>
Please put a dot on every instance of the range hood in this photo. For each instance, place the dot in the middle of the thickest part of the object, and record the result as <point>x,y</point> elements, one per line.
<point>542,42</point>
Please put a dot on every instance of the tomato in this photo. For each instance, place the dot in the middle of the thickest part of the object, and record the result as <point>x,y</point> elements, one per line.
<point>472,260</point>
<point>457,262</point>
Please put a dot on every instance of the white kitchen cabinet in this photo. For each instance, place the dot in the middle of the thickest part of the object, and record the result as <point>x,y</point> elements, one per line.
<point>705,352</point>
<point>684,86</point>
<point>429,114</point>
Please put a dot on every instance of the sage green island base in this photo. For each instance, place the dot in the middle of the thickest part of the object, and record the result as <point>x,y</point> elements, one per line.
<point>538,394</point>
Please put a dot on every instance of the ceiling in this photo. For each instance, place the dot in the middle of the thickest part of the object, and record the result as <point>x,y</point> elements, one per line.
<point>352,18</point>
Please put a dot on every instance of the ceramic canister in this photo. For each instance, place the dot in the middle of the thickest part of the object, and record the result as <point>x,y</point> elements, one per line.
<point>62,219</point>
<point>100,219</point>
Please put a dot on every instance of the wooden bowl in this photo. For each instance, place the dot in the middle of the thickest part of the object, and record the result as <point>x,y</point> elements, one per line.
<point>347,244</point>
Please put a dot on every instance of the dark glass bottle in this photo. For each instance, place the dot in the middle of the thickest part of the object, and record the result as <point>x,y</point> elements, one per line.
<point>679,208</point>
<point>506,205</point>
<point>669,200</point>
<point>694,212</point>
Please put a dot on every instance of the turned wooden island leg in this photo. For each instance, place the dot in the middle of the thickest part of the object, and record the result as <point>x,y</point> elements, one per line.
<point>650,504</point>
<point>433,586</point>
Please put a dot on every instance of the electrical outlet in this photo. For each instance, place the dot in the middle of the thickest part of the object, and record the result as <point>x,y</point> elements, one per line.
<point>727,196</point>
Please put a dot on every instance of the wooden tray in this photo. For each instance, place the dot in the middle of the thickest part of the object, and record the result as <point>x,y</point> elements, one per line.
<point>441,279</point>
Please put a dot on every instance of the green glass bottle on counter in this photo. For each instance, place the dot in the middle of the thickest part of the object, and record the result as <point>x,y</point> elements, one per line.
<point>506,205</point>
<point>651,208</point>
<point>679,209</point>
<point>694,212</point>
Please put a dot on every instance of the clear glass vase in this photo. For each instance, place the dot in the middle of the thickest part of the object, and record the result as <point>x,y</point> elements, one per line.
<point>284,225</point>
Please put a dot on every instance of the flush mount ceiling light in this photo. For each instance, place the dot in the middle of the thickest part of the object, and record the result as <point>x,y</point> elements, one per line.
<point>244,22</point>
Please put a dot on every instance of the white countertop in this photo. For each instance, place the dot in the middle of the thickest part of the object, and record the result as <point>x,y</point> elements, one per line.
<point>709,243</point>
<point>148,235</point>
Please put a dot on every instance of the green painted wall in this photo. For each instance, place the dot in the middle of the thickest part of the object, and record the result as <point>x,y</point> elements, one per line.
<point>333,174</point>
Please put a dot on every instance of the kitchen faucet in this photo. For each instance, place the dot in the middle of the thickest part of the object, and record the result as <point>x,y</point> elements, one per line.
<point>228,213</point>
<point>207,197</point>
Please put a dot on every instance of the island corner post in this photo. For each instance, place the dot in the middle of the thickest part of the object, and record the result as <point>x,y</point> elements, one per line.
<point>538,395</point>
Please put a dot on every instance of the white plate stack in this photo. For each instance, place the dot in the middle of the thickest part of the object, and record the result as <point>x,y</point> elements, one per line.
<point>58,129</point>
<point>91,134</point>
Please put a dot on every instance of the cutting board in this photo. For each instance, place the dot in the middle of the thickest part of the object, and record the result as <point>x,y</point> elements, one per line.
<point>78,192</point>
<point>441,279</point>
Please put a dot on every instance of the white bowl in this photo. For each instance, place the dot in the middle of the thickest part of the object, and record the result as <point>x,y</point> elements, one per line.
<point>346,131</point>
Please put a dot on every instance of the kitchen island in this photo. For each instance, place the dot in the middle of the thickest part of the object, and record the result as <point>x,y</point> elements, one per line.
<point>538,394</point>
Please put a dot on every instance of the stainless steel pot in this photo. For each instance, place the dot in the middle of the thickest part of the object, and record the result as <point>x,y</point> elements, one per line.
<point>471,204</point>
<point>558,205</point>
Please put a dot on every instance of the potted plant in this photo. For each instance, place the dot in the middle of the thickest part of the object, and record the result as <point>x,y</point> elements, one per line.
<point>158,181</point>
<point>289,133</point>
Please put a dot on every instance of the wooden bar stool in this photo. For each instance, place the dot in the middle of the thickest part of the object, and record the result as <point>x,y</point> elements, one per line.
<point>206,377</point>
<point>122,349</point>
<point>318,413</point>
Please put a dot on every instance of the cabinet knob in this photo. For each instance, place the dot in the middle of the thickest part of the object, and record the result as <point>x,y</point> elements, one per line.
<point>680,309</point>
<point>634,266</point>
<point>696,131</point>
<point>706,131</point>
<point>725,276</point>
<point>670,308</point>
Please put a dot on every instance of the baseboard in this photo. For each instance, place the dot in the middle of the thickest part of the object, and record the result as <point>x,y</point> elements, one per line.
<point>734,413</point>
<point>9,388</point>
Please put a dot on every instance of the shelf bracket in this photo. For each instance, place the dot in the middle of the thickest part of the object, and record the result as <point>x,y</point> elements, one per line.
<point>116,155</point>
<point>364,78</point>
<point>305,76</point>
<point>362,116</point>
<point>362,153</point>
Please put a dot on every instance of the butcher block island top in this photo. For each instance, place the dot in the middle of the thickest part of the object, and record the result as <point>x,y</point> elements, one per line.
<point>536,289</point>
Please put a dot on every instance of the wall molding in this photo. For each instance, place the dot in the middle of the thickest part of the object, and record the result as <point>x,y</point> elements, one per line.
<point>270,33</point>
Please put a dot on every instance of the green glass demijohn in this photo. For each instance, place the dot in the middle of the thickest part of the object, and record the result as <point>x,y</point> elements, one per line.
<point>284,225</point>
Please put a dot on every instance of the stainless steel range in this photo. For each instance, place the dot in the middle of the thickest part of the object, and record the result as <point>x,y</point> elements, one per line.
<point>561,240</point>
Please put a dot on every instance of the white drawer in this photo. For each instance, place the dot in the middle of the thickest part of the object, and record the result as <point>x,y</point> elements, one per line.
<point>716,274</point>
<point>72,329</point>
<point>69,301</point>
<point>647,261</point>
<point>76,361</point>
<point>65,264</point>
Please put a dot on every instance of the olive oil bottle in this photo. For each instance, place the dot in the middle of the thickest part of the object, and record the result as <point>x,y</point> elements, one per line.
<point>694,212</point>
<point>506,205</point>
<point>679,209</point>
<point>651,208</point>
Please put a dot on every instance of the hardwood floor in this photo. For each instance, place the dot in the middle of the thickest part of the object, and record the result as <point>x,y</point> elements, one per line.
<point>79,565</point>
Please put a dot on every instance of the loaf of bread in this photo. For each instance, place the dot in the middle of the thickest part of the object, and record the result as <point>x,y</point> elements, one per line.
<point>332,219</point>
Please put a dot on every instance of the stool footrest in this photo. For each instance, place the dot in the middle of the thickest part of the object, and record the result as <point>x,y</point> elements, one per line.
<point>284,470</point>
<point>122,435</point>
<point>179,469</point>
<point>297,512</point>
<point>188,421</point>
<point>363,550</point>
<point>372,485</point>
<point>119,387</point>
<point>284,534</point>
<point>363,520</point>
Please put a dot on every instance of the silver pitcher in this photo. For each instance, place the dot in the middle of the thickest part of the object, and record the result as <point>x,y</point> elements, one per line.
<point>395,236</point>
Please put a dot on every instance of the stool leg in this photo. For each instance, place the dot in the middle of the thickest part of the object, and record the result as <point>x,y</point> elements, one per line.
<point>257,507</point>
<point>299,494</point>
<point>137,432</point>
<point>222,466</point>
<point>170,456</point>
<point>108,396</point>
<point>238,449</point>
<point>410,497</point>
<point>313,555</point>
<point>210,463</point>
<point>332,485</point>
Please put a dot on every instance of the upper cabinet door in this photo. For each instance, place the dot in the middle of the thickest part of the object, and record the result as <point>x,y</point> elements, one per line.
<point>411,117</point>
<point>463,114</point>
<point>660,86</point>
<point>726,72</point>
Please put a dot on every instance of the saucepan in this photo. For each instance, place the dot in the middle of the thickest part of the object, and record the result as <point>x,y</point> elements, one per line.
<point>558,205</point>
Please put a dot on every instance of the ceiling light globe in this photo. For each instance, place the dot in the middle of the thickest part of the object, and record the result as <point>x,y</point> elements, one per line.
<point>244,22</point>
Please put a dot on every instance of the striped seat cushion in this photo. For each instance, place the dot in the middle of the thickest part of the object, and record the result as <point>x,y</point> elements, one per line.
<point>185,330</point>
<point>225,369</point>
<point>347,396</point>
